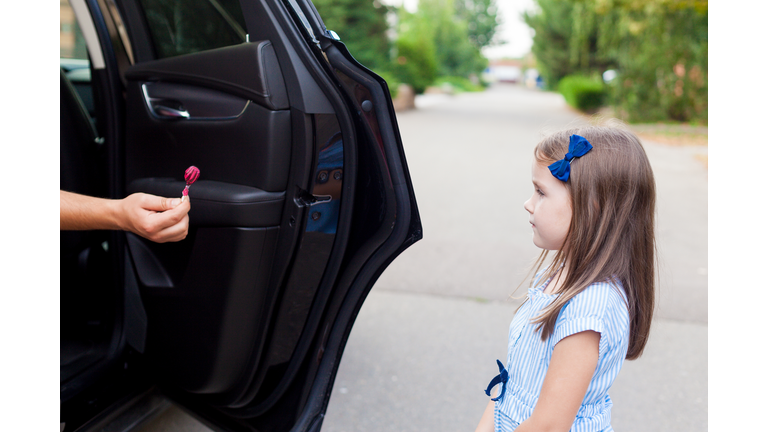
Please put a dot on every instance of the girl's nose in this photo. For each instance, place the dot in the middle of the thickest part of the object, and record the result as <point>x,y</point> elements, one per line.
<point>527,206</point>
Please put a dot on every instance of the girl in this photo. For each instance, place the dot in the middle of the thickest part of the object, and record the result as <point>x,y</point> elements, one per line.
<point>593,203</point>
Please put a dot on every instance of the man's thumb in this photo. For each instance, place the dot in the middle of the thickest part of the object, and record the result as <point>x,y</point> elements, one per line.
<point>159,204</point>
<point>169,203</point>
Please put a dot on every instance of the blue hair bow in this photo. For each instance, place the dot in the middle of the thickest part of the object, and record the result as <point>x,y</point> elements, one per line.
<point>578,147</point>
<point>502,378</point>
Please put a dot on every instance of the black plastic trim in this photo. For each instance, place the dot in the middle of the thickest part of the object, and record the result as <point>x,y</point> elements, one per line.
<point>198,102</point>
<point>253,72</point>
<point>220,204</point>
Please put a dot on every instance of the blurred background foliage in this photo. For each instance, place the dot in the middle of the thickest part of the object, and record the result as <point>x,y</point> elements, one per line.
<point>657,48</point>
<point>362,26</point>
<point>441,39</point>
<point>455,54</point>
<point>655,51</point>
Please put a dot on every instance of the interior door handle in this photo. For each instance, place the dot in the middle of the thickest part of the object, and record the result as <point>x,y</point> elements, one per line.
<point>166,111</point>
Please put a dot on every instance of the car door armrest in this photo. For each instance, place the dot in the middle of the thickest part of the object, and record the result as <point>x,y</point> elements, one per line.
<point>219,204</point>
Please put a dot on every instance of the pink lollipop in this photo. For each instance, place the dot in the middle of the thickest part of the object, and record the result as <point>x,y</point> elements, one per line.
<point>190,175</point>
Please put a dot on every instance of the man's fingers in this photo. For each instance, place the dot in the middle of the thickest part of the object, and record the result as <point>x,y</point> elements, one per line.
<point>173,216</point>
<point>163,219</point>
<point>169,203</point>
<point>163,204</point>
<point>176,206</point>
<point>158,203</point>
<point>174,232</point>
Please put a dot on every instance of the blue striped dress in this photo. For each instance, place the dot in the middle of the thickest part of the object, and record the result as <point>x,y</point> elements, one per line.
<point>601,307</point>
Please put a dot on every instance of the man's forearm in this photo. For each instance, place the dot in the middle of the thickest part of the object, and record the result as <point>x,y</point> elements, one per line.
<point>80,212</point>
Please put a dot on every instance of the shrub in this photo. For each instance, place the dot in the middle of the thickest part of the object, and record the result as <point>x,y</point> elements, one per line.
<point>415,61</point>
<point>415,64</point>
<point>582,93</point>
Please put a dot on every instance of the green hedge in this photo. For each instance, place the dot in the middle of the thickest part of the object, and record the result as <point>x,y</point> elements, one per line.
<point>416,63</point>
<point>582,93</point>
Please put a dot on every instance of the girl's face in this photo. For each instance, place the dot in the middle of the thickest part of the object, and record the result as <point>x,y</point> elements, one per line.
<point>549,208</point>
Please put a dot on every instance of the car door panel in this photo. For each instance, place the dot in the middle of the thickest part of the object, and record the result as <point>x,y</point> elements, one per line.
<point>205,297</point>
<point>303,200</point>
<point>258,143</point>
<point>250,70</point>
<point>191,325</point>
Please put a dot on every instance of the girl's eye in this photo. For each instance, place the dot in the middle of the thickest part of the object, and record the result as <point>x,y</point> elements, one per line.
<point>538,191</point>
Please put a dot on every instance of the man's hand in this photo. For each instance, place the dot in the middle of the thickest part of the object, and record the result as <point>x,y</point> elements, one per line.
<point>152,217</point>
<point>155,218</point>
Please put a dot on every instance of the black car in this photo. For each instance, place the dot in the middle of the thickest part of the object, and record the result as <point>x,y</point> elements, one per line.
<point>304,199</point>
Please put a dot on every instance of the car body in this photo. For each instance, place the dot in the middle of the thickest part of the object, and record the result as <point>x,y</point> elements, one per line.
<point>303,200</point>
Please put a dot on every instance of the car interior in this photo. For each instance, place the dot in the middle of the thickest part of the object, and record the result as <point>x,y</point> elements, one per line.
<point>91,303</point>
<point>86,324</point>
<point>303,200</point>
<point>242,204</point>
<point>185,306</point>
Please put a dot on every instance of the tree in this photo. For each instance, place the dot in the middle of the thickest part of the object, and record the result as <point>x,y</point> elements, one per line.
<point>454,53</point>
<point>362,26</point>
<point>661,48</point>
<point>416,62</point>
<point>439,39</point>
<point>566,40</point>
<point>481,18</point>
<point>658,47</point>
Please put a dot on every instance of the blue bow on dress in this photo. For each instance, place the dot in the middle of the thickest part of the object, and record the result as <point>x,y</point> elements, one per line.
<point>578,147</point>
<point>502,378</point>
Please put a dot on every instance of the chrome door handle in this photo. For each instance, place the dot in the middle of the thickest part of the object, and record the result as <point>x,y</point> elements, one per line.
<point>165,111</point>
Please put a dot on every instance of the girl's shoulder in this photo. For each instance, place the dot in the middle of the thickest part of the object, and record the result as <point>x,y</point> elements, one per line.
<point>599,299</point>
<point>610,291</point>
<point>600,307</point>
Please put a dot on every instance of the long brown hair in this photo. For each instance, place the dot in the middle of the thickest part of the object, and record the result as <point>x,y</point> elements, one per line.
<point>611,236</point>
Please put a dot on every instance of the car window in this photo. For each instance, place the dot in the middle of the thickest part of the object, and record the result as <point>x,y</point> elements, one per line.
<point>72,41</point>
<point>187,26</point>
<point>73,55</point>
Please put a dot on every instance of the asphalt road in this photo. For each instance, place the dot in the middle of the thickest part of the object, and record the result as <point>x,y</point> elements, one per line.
<point>425,343</point>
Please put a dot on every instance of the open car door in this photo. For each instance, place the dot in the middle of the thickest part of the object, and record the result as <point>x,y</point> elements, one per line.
<point>303,200</point>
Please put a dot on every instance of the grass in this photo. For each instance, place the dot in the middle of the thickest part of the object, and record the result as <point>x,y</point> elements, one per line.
<point>673,134</point>
<point>668,133</point>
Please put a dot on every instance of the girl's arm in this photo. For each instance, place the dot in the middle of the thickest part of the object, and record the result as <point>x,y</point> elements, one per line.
<point>573,364</point>
<point>486,421</point>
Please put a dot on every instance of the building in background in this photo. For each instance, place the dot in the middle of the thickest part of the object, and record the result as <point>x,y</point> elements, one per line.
<point>504,70</point>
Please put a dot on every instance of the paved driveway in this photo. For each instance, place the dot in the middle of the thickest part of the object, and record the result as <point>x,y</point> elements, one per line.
<point>425,343</point>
